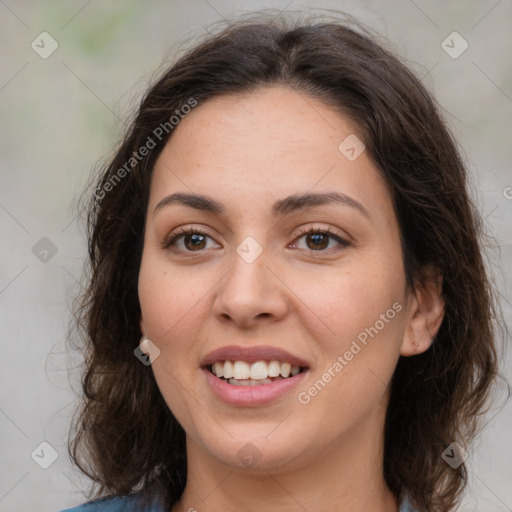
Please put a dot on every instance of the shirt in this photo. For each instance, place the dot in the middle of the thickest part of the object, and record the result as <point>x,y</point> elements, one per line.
<point>128,503</point>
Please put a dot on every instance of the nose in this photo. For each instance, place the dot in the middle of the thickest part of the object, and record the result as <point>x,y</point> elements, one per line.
<point>251,293</point>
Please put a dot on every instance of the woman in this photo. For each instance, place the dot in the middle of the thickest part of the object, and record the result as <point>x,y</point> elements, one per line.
<point>287,305</point>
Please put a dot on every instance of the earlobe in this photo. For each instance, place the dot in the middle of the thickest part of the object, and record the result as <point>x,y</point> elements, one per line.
<point>426,314</point>
<point>415,348</point>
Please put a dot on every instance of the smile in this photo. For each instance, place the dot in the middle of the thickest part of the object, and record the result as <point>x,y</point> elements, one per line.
<point>242,373</point>
<point>252,376</point>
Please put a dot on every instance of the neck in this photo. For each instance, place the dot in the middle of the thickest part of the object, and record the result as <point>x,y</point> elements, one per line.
<point>346,475</point>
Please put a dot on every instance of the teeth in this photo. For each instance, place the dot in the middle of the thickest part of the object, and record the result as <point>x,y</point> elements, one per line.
<point>286,368</point>
<point>238,382</point>
<point>274,369</point>
<point>250,382</point>
<point>245,374</point>
<point>218,369</point>
<point>259,370</point>
<point>241,370</point>
<point>228,370</point>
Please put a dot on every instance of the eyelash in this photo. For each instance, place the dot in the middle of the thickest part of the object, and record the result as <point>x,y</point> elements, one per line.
<point>309,230</point>
<point>190,230</point>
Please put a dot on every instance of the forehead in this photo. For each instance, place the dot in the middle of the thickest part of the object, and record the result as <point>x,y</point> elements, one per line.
<point>264,146</point>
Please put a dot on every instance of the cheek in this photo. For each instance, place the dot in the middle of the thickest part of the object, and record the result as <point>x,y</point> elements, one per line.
<point>172,316</point>
<point>347,300</point>
<point>170,300</point>
<point>173,313</point>
<point>358,358</point>
<point>361,311</point>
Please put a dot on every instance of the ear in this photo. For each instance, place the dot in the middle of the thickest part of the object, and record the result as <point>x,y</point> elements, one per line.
<point>426,312</point>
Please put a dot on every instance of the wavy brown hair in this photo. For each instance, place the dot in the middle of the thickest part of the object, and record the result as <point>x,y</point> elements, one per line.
<point>125,437</point>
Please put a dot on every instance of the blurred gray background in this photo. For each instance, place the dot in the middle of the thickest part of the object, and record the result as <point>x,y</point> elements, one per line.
<point>62,112</point>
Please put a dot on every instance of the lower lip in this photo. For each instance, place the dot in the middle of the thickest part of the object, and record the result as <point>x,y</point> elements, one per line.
<point>247,396</point>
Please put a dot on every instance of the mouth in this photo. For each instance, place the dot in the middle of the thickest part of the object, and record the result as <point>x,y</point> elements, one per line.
<point>252,376</point>
<point>243,373</point>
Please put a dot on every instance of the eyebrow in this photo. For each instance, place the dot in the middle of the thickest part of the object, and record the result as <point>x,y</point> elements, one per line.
<point>281,207</point>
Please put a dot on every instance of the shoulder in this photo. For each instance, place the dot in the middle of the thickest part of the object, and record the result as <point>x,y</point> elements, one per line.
<point>118,504</point>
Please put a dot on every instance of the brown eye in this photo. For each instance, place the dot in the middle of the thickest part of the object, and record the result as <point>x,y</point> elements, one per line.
<point>195,241</point>
<point>187,240</point>
<point>319,240</point>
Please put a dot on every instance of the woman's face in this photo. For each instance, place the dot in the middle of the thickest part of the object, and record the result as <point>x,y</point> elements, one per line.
<point>253,289</point>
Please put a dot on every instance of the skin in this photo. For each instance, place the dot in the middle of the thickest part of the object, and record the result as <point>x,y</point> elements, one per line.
<point>247,152</point>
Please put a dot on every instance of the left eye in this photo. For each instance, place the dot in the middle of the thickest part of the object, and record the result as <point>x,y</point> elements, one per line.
<point>319,240</point>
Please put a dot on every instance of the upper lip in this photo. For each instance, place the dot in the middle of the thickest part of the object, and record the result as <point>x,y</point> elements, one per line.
<point>251,355</point>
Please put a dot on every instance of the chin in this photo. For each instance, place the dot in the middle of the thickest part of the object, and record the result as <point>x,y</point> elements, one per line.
<point>253,450</point>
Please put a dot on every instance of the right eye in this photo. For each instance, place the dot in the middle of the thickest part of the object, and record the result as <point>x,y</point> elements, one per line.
<point>187,239</point>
